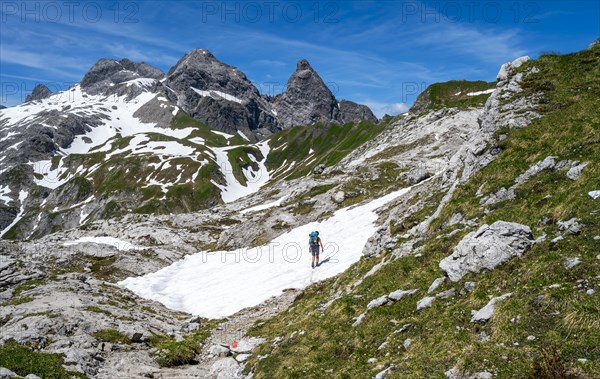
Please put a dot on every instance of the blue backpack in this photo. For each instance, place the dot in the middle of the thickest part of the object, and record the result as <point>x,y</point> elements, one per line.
<point>313,238</point>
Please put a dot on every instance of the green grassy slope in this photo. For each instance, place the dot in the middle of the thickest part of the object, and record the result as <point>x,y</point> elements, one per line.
<point>329,145</point>
<point>549,301</point>
<point>452,94</point>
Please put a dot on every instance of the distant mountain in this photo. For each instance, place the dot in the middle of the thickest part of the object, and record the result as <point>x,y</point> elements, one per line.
<point>130,138</point>
<point>39,92</point>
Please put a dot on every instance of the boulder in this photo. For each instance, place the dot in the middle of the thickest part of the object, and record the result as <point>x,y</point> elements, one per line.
<point>425,302</point>
<point>572,262</point>
<point>575,172</point>
<point>382,300</point>
<point>507,68</point>
<point>246,345</point>
<point>338,197</point>
<point>399,294</point>
<point>436,283</point>
<point>6,373</point>
<point>594,194</point>
<point>485,313</point>
<point>219,351</point>
<point>571,226</point>
<point>486,248</point>
<point>318,170</point>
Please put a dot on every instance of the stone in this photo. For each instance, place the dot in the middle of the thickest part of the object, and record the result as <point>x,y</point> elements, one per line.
<point>446,294</point>
<point>486,248</point>
<point>32,376</point>
<point>242,357</point>
<point>407,343</point>
<point>548,163</point>
<point>318,170</point>
<point>594,194</point>
<point>6,373</point>
<point>502,194</point>
<point>507,68</point>
<point>436,283</point>
<point>485,313</point>
<point>571,226</point>
<point>383,374</point>
<point>425,302</point>
<point>359,320</point>
<point>382,300</point>
<point>575,172</point>
<point>399,294</point>
<point>219,351</point>
<point>372,360</point>
<point>246,345</point>
<point>338,197</point>
<point>469,286</point>
<point>572,262</point>
<point>225,368</point>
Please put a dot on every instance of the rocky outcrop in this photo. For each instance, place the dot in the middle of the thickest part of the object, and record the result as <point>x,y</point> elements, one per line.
<point>351,111</point>
<point>486,248</point>
<point>39,92</point>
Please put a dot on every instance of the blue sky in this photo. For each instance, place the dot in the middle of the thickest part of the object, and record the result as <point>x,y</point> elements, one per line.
<point>380,53</point>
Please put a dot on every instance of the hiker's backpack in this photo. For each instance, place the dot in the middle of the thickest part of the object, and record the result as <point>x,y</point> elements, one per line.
<point>313,238</point>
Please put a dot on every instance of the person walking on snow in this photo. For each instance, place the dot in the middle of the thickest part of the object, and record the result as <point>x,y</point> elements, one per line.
<point>314,242</point>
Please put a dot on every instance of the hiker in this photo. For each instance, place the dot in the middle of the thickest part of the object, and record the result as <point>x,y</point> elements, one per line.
<point>313,246</point>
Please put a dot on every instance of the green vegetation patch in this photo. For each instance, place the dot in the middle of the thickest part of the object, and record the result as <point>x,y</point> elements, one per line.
<point>24,361</point>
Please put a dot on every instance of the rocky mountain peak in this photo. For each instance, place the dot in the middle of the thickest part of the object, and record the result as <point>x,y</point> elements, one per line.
<point>39,92</point>
<point>218,94</point>
<point>303,65</point>
<point>307,99</point>
<point>110,71</point>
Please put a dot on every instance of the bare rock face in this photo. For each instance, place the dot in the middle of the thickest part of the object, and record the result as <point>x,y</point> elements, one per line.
<point>486,248</point>
<point>39,92</point>
<point>219,95</point>
<point>106,73</point>
<point>351,111</point>
<point>307,99</point>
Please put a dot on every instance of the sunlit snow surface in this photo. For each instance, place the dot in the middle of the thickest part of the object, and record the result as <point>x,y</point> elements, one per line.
<point>221,283</point>
<point>114,242</point>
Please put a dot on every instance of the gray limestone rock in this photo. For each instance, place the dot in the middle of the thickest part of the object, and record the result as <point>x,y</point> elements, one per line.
<point>485,313</point>
<point>486,248</point>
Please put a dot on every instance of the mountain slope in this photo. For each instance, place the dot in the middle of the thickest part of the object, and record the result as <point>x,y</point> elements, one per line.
<point>547,325</point>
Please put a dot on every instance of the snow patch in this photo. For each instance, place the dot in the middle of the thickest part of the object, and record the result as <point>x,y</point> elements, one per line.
<point>261,207</point>
<point>217,94</point>
<point>22,196</point>
<point>481,92</point>
<point>114,242</point>
<point>221,283</point>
